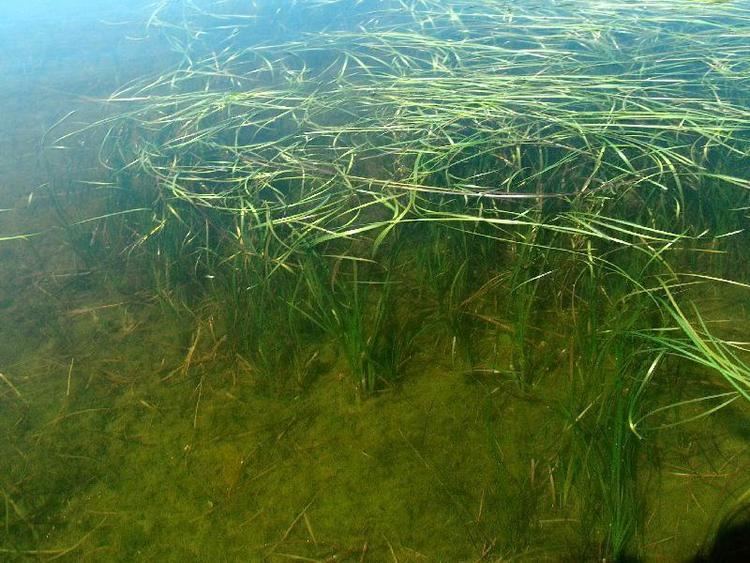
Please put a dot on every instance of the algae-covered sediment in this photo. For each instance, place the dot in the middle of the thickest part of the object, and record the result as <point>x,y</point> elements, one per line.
<point>389,280</point>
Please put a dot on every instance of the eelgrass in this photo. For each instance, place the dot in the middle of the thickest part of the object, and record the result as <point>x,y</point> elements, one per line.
<point>445,264</point>
<point>581,140</point>
<point>359,313</point>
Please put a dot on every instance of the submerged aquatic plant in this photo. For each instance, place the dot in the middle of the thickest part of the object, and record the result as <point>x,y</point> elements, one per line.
<point>360,315</point>
<point>553,158</point>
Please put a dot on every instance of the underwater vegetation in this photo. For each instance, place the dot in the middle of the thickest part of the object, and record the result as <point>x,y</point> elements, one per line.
<point>539,199</point>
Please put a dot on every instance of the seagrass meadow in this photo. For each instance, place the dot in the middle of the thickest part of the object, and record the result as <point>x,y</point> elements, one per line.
<point>382,280</point>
